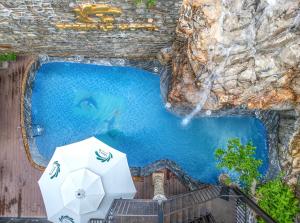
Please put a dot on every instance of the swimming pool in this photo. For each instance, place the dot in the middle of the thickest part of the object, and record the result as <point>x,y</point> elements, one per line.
<point>122,106</point>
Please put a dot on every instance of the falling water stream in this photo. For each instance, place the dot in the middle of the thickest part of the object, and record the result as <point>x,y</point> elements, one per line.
<point>249,35</point>
<point>213,69</point>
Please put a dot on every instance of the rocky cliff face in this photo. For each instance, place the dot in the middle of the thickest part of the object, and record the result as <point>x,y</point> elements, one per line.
<point>294,178</point>
<point>237,53</point>
<point>289,145</point>
<point>240,53</point>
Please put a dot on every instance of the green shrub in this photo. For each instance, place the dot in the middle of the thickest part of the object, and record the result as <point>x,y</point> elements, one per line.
<point>240,159</point>
<point>8,57</point>
<point>274,197</point>
<point>278,200</point>
<point>150,3</point>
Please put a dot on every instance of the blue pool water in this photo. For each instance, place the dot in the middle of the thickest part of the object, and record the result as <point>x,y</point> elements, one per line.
<point>122,106</point>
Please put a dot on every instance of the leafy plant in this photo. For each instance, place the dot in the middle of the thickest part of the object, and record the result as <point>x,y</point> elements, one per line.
<point>149,3</point>
<point>240,159</point>
<point>275,197</point>
<point>278,200</point>
<point>8,57</point>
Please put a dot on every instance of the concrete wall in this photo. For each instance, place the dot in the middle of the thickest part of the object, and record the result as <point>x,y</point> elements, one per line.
<point>29,26</point>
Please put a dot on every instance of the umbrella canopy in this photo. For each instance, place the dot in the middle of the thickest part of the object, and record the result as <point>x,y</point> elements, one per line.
<point>82,180</point>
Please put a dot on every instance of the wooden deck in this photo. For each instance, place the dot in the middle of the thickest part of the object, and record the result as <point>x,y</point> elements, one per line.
<point>19,192</point>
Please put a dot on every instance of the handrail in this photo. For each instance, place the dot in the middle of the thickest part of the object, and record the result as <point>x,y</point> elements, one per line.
<point>160,214</point>
<point>211,193</point>
<point>192,191</point>
<point>243,197</point>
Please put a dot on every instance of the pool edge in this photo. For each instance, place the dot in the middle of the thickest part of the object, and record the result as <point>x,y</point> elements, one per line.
<point>28,67</point>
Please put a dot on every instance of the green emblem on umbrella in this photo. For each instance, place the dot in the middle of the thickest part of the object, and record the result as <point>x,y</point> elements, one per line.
<point>66,219</point>
<point>103,156</point>
<point>55,170</point>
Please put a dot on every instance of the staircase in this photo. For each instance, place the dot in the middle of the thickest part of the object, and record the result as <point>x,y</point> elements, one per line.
<point>209,204</point>
<point>184,208</point>
<point>133,210</point>
<point>204,219</point>
<point>190,206</point>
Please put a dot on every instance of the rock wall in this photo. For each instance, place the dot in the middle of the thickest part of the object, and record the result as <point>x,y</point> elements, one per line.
<point>295,154</point>
<point>29,27</point>
<point>237,53</point>
<point>289,145</point>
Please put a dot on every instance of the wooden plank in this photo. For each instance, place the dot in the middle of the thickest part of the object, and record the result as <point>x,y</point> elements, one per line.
<point>19,192</point>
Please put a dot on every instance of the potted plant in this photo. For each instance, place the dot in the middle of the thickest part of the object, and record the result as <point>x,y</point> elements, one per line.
<point>5,58</point>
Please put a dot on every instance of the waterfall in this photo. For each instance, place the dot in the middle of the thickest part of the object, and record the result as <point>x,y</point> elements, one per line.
<point>225,49</point>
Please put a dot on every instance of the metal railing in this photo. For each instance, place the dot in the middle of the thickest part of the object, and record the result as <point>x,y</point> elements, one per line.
<point>226,203</point>
<point>181,208</point>
<point>188,206</point>
<point>247,210</point>
<point>133,210</point>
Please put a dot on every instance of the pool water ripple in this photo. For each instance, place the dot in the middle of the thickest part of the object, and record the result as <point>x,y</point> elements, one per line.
<point>123,107</point>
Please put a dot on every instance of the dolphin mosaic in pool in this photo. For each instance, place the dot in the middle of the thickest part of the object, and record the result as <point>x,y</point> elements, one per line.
<point>122,106</point>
